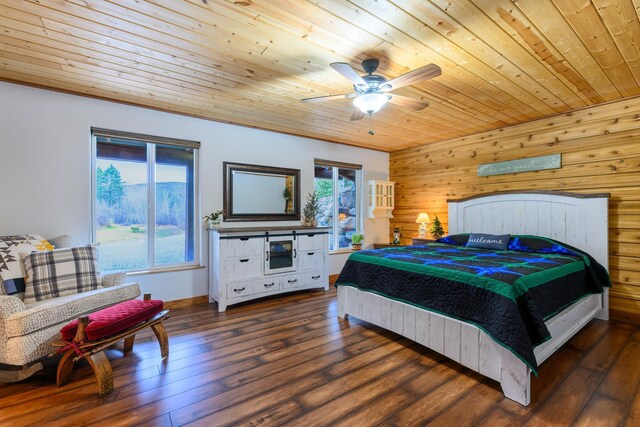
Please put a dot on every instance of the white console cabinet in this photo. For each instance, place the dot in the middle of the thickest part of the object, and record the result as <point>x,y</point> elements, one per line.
<point>249,263</point>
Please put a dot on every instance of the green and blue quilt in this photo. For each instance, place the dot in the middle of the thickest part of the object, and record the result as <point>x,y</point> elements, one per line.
<point>508,294</point>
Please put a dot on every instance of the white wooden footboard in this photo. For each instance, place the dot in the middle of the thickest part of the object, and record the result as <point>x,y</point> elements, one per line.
<point>462,342</point>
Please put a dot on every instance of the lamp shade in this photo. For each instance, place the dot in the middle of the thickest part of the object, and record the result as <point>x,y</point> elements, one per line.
<point>423,218</point>
<point>369,103</point>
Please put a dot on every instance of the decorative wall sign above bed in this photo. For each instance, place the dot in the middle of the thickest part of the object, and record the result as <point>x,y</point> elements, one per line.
<point>554,161</point>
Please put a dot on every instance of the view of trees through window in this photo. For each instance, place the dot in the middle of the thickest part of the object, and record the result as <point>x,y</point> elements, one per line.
<point>336,189</point>
<point>123,203</point>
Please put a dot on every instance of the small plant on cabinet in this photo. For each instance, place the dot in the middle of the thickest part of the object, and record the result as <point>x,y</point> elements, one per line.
<point>214,219</point>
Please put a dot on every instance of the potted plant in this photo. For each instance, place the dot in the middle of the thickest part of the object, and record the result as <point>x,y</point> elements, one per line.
<point>214,219</point>
<point>311,210</point>
<point>436,228</point>
<point>356,241</point>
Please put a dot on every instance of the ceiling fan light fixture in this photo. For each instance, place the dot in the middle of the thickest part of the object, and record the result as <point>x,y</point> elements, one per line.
<point>369,103</point>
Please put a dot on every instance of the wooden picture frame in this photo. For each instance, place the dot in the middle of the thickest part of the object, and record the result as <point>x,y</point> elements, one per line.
<point>233,213</point>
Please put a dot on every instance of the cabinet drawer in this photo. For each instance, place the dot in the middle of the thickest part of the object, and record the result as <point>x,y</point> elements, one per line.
<point>311,242</point>
<point>241,248</point>
<point>242,268</point>
<point>315,278</point>
<point>311,260</point>
<point>267,284</point>
<point>238,289</point>
<point>292,281</point>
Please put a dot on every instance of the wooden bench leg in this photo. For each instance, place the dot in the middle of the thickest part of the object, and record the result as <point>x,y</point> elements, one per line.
<point>102,369</point>
<point>163,339</point>
<point>128,343</point>
<point>65,367</point>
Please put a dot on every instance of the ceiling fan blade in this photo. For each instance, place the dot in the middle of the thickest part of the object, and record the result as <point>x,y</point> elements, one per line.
<point>329,97</point>
<point>419,74</point>
<point>348,72</point>
<point>404,101</point>
<point>356,114</point>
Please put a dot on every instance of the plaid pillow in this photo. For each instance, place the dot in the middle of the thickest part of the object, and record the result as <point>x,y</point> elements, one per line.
<point>61,272</point>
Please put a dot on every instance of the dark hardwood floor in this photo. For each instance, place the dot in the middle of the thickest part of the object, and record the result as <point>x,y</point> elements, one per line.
<point>291,361</point>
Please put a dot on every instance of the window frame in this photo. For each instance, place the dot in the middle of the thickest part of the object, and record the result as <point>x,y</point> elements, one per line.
<point>336,184</point>
<point>151,141</point>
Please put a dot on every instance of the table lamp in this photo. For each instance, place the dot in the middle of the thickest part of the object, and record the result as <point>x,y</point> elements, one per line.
<point>423,220</point>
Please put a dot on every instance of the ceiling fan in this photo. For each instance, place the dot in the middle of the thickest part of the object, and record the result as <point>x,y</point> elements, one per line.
<point>371,91</point>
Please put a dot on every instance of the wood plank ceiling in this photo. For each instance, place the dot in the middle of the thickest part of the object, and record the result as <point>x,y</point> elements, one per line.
<point>250,62</point>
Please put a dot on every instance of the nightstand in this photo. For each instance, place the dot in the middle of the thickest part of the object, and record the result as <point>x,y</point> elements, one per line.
<point>384,245</point>
<point>421,241</point>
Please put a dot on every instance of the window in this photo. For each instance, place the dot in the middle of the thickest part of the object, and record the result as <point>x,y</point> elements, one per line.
<point>337,186</point>
<point>145,212</point>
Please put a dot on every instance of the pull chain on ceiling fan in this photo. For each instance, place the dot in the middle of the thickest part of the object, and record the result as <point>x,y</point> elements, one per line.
<point>371,91</point>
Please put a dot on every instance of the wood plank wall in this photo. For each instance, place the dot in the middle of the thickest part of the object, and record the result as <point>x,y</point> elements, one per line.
<point>600,149</point>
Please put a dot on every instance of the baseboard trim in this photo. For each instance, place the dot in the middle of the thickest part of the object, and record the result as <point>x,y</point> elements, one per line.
<point>623,316</point>
<point>186,302</point>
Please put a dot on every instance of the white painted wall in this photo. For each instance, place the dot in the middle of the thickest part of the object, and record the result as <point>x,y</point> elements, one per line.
<point>45,173</point>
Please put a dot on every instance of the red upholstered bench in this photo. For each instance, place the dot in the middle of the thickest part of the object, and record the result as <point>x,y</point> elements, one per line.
<point>107,322</point>
<point>88,336</point>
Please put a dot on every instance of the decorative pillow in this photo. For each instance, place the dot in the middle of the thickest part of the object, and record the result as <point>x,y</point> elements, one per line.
<point>489,241</point>
<point>61,272</point>
<point>540,245</point>
<point>455,239</point>
<point>11,267</point>
<point>64,241</point>
<point>114,319</point>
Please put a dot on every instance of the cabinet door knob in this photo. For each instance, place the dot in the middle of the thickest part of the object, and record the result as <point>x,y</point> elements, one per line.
<point>244,260</point>
<point>310,253</point>
<point>267,256</point>
<point>239,290</point>
<point>268,285</point>
<point>292,281</point>
<point>315,277</point>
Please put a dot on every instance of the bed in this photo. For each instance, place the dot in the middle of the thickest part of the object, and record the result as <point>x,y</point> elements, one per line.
<point>578,220</point>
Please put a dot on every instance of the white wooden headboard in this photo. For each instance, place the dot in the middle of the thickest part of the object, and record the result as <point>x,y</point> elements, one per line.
<point>581,220</point>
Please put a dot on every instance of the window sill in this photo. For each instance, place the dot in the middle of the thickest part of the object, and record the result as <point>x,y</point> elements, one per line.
<point>341,251</point>
<point>164,270</point>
